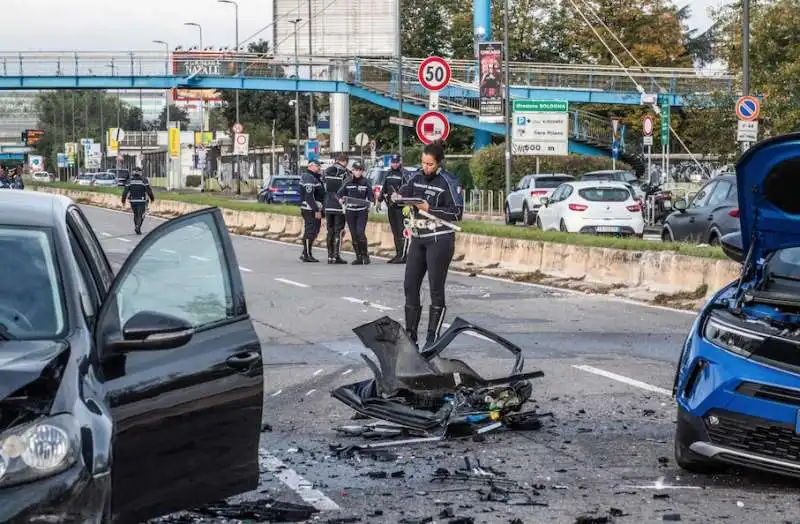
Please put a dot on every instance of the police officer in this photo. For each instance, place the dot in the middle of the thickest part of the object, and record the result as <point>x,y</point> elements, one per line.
<point>335,176</point>
<point>313,193</point>
<point>357,213</point>
<point>395,179</point>
<point>432,244</point>
<point>136,191</point>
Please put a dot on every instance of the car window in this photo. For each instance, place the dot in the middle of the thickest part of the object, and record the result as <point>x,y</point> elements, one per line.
<point>597,177</point>
<point>720,194</point>
<point>285,182</point>
<point>101,270</point>
<point>785,262</point>
<point>90,298</point>
<point>189,262</point>
<point>376,176</point>
<point>523,183</point>
<point>550,182</point>
<point>733,194</point>
<point>559,193</point>
<point>701,198</point>
<point>31,302</point>
<point>605,194</point>
<point>629,178</point>
<point>566,192</point>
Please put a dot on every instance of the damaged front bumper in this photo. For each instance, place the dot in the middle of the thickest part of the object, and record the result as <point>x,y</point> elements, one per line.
<point>70,496</point>
<point>424,394</point>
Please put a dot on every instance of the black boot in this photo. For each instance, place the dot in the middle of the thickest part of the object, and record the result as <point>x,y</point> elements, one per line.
<point>331,250</point>
<point>413,314</point>
<point>304,256</point>
<point>435,320</point>
<point>359,261</point>
<point>365,251</point>
<point>337,245</point>
<point>310,247</point>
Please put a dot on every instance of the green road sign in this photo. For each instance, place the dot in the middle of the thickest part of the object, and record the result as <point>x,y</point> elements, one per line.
<point>540,106</point>
<point>665,122</point>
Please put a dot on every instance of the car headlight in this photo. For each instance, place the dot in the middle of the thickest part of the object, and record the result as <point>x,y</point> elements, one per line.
<point>732,338</point>
<point>39,449</point>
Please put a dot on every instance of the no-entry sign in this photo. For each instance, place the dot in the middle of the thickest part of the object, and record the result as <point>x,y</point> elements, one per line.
<point>434,73</point>
<point>647,126</point>
<point>432,126</point>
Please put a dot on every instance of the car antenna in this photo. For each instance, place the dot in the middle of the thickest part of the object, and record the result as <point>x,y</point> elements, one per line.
<point>737,305</point>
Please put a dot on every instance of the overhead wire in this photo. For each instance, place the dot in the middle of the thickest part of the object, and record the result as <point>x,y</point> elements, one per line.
<point>625,69</point>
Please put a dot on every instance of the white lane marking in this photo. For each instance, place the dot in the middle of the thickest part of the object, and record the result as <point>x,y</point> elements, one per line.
<point>169,251</point>
<point>317,372</point>
<point>105,234</point>
<point>291,282</point>
<point>244,269</point>
<point>310,392</point>
<point>123,239</point>
<point>347,372</point>
<point>470,333</point>
<point>277,393</point>
<point>367,303</point>
<point>609,298</point>
<point>297,483</point>
<point>623,379</point>
<point>201,259</point>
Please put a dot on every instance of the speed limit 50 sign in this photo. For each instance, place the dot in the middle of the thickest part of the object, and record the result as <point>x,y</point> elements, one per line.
<point>434,73</point>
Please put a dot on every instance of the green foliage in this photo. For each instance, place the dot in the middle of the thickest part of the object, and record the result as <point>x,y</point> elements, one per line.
<point>193,180</point>
<point>176,114</point>
<point>488,171</point>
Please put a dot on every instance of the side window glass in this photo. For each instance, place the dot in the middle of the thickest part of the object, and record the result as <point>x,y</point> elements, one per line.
<point>566,192</point>
<point>95,254</point>
<point>701,197</point>
<point>555,193</point>
<point>88,291</point>
<point>719,195</point>
<point>523,183</point>
<point>183,273</point>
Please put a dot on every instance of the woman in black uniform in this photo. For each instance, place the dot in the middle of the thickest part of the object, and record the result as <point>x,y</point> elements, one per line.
<point>432,243</point>
<point>357,212</point>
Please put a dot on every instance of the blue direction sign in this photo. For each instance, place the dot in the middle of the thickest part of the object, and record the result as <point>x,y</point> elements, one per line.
<point>312,150</point>
<point>748,108</point>
<point>615,150</point>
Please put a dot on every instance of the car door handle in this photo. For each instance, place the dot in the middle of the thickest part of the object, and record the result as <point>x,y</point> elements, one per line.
<point>243,361</point>
<point>711,217</point>
<point>691,219</point>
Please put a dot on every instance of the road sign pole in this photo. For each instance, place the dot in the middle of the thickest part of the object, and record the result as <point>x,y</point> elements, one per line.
<point>649,164</point>
<point>507,82</point>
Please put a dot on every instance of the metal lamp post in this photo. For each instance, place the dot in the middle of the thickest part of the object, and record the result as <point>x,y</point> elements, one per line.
<point>239,70</point>
<point>745,56</point>
<point>202,102</point>
<point>507,81</point>
<point>166,112</point>
<point>296,95</point>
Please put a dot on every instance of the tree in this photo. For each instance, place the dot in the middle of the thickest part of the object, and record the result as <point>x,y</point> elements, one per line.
<point>176,114</point>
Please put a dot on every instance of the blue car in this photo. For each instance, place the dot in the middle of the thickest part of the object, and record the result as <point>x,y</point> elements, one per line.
<point>281,190</point>
<point>737,385</point>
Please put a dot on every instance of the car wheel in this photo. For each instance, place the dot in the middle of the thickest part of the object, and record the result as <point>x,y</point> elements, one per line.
<point>539,223</point>
<point>507,212</point>
<point>527,216</point>
<point>688,460</point>
<point>666,235</point>
<point>713,238</point>
<point>563,226</point>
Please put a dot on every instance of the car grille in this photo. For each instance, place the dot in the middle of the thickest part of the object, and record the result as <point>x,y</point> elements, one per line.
<point>755,435</point>
<point>775,394</point>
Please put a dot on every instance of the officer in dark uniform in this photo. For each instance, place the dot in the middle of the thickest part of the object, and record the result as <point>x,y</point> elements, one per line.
<point>136,191</point>
<point>432,244</point>
<point>357,213</point>
<point>313,193</point>
<point>335,176</point>
<point>395,179</point>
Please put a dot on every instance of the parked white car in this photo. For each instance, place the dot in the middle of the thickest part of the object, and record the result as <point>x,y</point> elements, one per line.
<point>43,176</point>
<point>604,208</point>
<point>104,180</point>
<point>524,202</point>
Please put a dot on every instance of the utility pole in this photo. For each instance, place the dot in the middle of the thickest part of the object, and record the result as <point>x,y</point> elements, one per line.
<point>239,71</point>
<point>166,113</point>
<point>506,81</point>
<point>746,56</point>
<point>296,97</point>
<point>310,70</point>
<point>399,45</point>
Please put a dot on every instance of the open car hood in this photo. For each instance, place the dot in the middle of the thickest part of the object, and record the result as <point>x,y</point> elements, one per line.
<point>22,362</point>
<point>768,178</point>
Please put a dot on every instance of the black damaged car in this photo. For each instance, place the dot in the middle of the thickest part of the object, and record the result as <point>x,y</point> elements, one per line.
<point>122,397</point>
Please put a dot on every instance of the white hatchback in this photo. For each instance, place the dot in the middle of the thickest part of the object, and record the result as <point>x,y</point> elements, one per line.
<point>604,208</point>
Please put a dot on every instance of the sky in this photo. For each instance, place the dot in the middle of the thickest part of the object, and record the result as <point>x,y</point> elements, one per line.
<point>92,25</point>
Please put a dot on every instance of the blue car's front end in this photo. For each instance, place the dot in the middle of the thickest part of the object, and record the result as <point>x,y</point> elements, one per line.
<point>737,385</point>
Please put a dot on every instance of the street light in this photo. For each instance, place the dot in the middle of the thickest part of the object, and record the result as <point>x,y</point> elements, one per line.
<point>202,102</point>
<point>239,70</point>
<point>296,94</point>
<point>166,110</point>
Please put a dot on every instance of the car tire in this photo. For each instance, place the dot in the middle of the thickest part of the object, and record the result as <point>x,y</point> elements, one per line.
<point>539,223</point>
<point>714,238</point>
<point>509,221</point>
<point>666,235</point>
<point>688,460</point>
<point>527,216</point>
<point>563,226</point>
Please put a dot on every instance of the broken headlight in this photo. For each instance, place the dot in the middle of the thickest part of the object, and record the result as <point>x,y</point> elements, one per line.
<point>732,338</point>
<point>39,449</point>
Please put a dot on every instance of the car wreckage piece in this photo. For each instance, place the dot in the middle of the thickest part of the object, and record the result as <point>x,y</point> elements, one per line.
<point>433,396</point>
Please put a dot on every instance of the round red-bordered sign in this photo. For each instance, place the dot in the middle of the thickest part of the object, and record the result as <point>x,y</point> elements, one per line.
<point>432,126</point>
<point>434,73</point>
<point>647,125</point>
<point>748,108</point>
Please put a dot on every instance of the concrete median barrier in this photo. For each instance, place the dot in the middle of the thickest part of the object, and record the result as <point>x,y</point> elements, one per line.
<point>645,274</point>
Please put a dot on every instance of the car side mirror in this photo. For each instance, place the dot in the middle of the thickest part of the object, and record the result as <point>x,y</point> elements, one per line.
<point>732,246</point>
<point>681,205</point>
<point>545,201</point>
<point>151,331</point>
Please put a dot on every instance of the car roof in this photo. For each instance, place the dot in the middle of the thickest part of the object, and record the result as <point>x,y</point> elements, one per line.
<point>551,175</point>
<point>598,183</point>
<point>607,172</point>
<point>29,208</point>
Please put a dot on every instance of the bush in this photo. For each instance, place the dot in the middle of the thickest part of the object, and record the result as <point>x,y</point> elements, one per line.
<point>193,180</point>
<point>488,170</point>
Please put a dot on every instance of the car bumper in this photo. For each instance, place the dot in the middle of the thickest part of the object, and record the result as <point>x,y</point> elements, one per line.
<point>600,226</point>
<point>738,411</point>
<point>284,199</point>
<point>71,496</point>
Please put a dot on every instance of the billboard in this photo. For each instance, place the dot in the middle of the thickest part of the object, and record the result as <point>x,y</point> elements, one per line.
<point>343,28</point>
<point>490,56</point>
<point>201,63</point>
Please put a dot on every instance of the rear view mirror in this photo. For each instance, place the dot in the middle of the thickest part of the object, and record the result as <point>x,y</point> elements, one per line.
<point>732,246</point>
<point>681,205</point>
<point>151,331</point>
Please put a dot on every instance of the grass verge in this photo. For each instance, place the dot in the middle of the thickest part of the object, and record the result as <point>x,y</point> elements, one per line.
<point>468,226</point>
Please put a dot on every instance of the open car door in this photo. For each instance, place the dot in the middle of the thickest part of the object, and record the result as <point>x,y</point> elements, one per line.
<point>182,368</point>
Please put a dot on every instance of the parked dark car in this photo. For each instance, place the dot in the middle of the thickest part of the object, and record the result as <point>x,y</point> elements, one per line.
<point>122,176</point>
<point>127,396</point>
<point>710,214</point>
<point>281,190</point>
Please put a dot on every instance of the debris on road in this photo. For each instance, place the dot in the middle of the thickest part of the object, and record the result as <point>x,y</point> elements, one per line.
<point>264,510</point>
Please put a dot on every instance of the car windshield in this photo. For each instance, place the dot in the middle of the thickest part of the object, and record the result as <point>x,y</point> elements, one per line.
<point>551,182</point>
<point>605,194</point>
<point>104,176</point>
<point>31,305</point>
<point>376,176</point>
<point>85,177</point>
<point>785,263</point>
<point>285,182</point>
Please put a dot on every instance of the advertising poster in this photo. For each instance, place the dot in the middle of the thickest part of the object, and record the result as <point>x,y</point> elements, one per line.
<point>490,60</point>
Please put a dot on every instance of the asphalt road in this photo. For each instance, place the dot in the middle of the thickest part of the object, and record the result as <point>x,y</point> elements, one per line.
<point>608,364</point>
